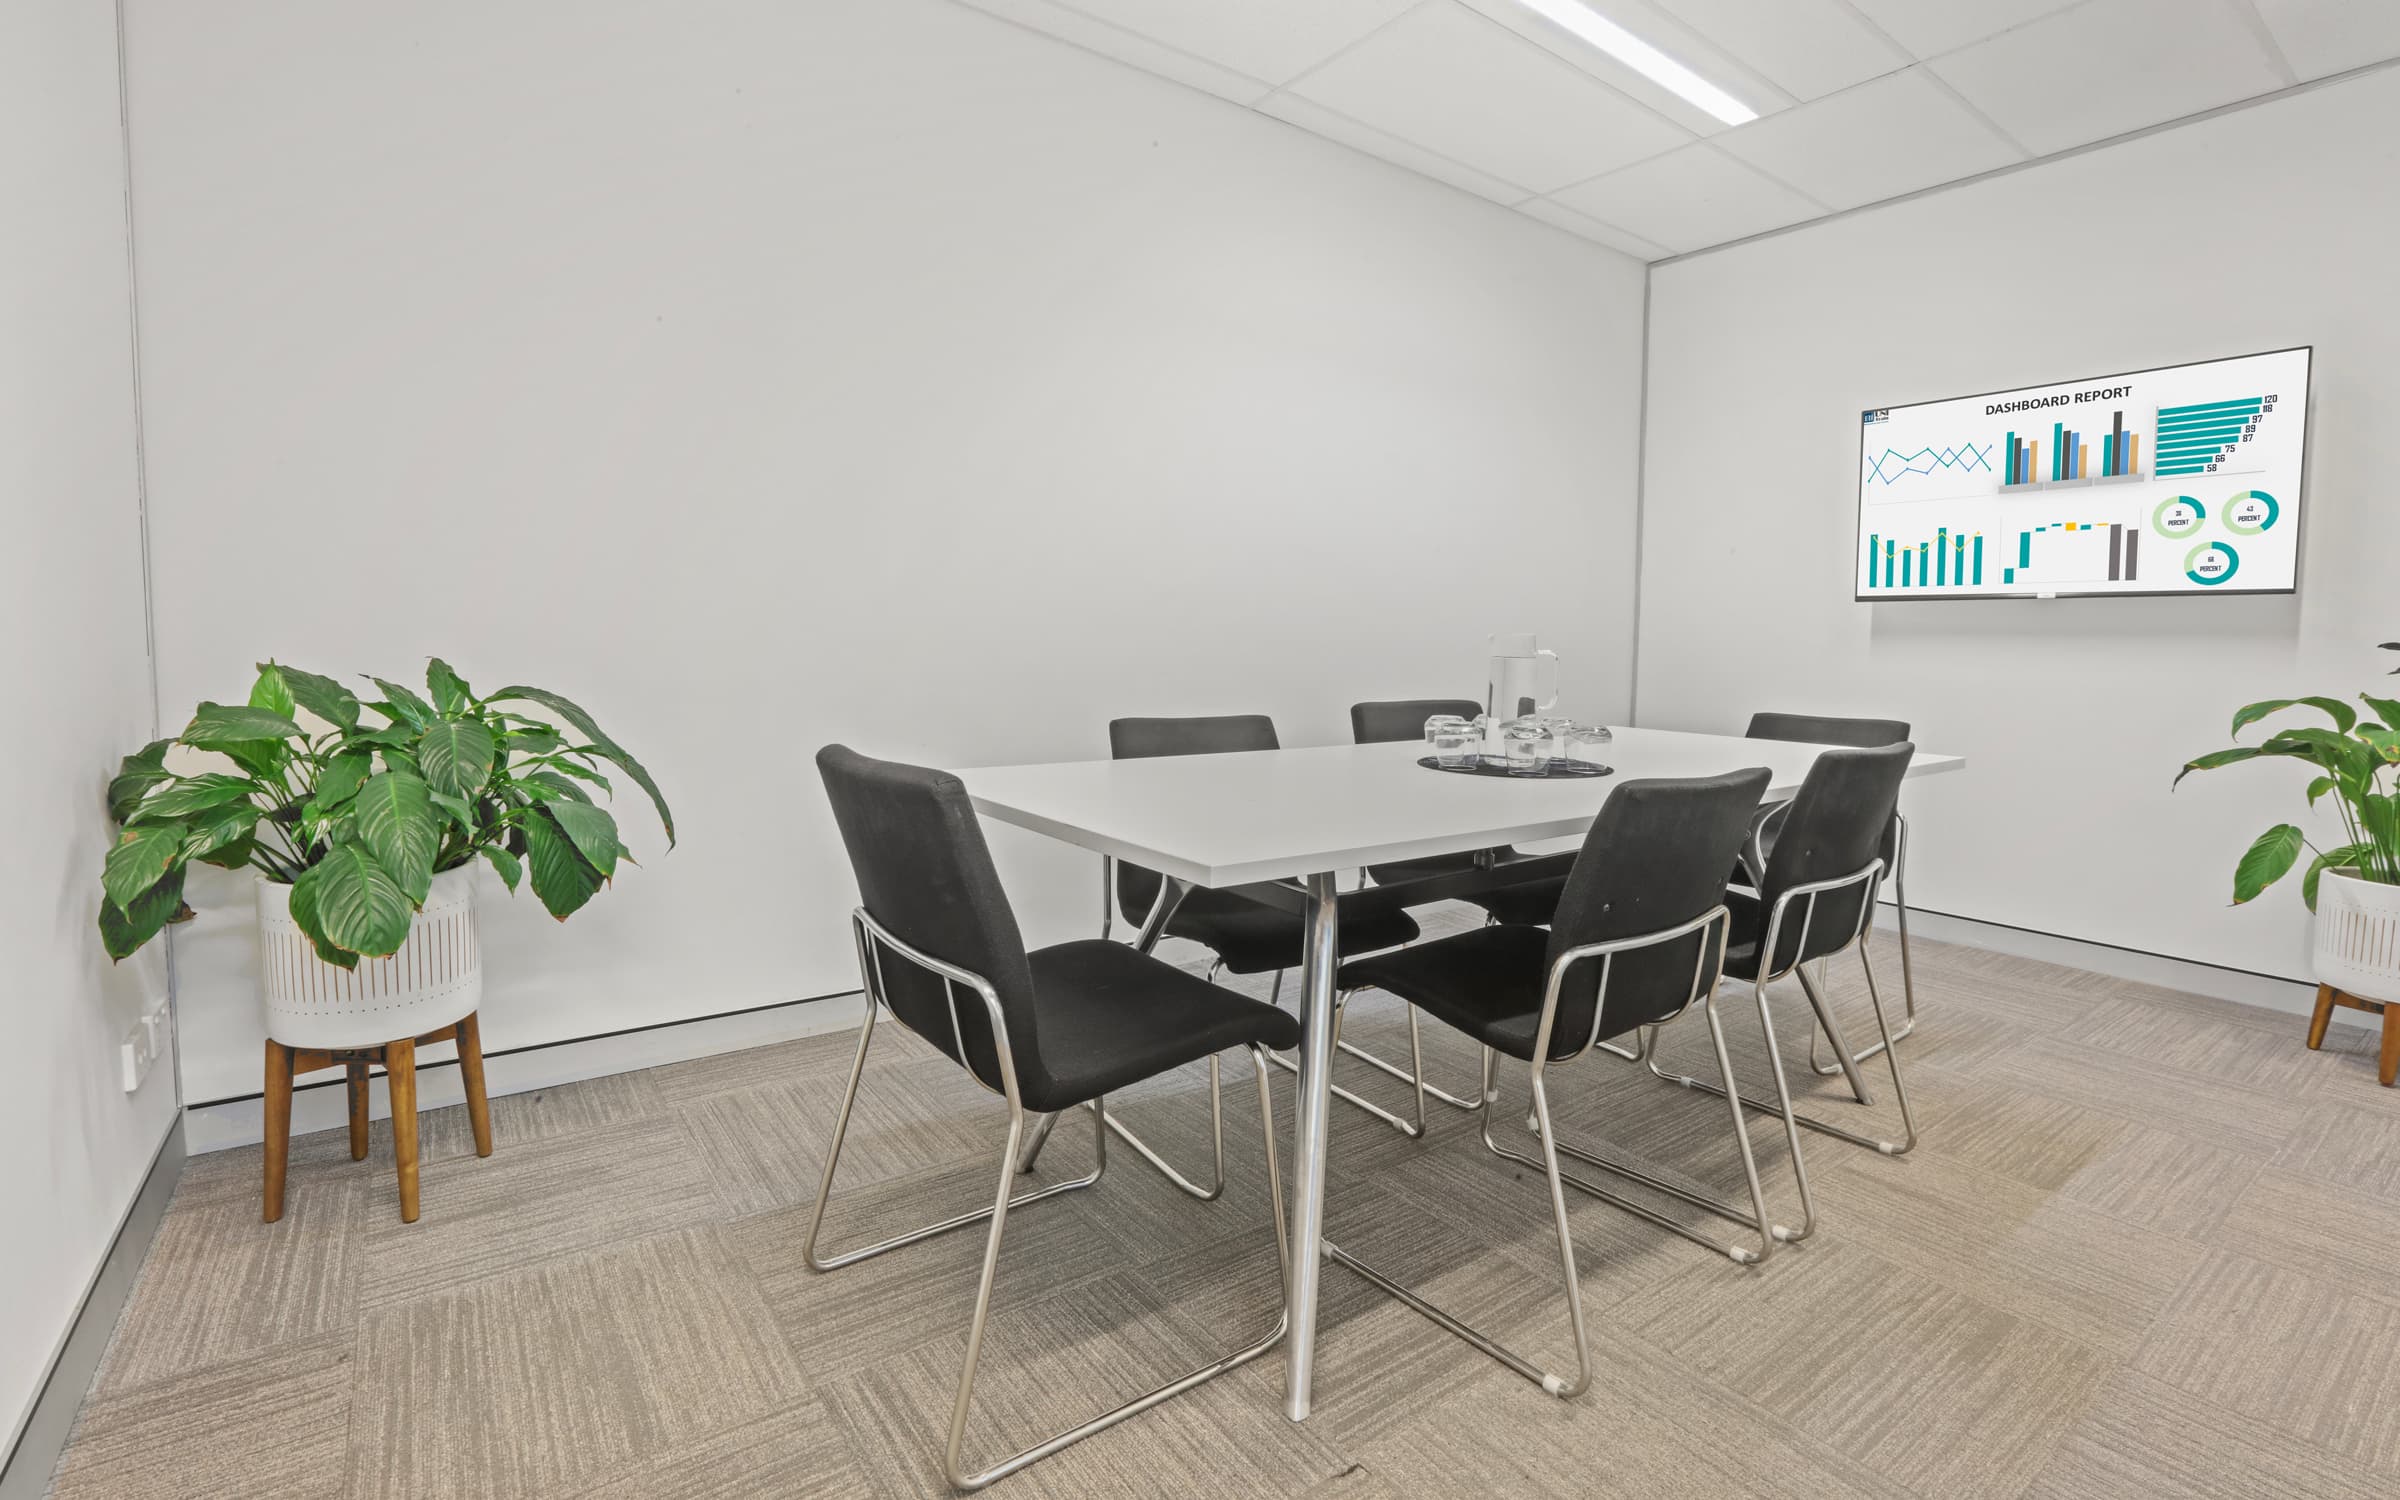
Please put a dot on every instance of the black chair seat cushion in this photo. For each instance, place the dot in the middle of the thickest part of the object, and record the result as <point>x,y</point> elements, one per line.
<point>1530,905</point>
<point>1109,1017</point>
<point>1255,938</point>
<point>1487,983</point>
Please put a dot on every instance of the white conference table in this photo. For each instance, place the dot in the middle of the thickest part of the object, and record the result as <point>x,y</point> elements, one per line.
<point>1303,816</point>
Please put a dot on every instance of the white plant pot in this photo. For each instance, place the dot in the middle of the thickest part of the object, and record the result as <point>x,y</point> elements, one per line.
<point>435,978</point>
<point>2358,935</point>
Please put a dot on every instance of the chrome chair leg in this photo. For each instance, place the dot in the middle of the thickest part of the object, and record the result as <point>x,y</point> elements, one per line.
<point>1846,1065</point>
<point>953,1467</point>
<point>1414,1130</point>
<point>1908,975</point>
<point>1182,1184</point>
<point>1756,1221</point>
<point>1782,1107</point>
<point>1556,1384</point>
<point>833,1158</point>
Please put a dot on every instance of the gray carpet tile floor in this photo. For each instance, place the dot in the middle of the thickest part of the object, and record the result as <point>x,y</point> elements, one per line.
<point>2144,1249</point>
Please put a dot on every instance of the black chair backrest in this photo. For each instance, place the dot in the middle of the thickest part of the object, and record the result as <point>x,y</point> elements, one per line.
<point>926,875</point>
<point>1403,718</point>
<point>1655,859</point>
<point>1838,822</point>
<point>1823,729</point>
<point>1138,739</point>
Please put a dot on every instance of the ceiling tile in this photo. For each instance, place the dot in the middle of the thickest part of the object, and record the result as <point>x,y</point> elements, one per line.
<point>1592,229</point>
<point>1318,120</point>
<point>2111,66</point>
<point>1895,135</point>
<point>1690,199</point>
<point>2327,36</point>
<point>1127,47</point>
<point>1276,40</point>
<point>1808,48</point>
<point>1450,81</point>
<point>1930,28</point>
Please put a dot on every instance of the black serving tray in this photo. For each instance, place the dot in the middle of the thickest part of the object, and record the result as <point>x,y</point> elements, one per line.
<point>1559,769</point>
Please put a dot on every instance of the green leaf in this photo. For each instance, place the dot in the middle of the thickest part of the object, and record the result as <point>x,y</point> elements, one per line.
<point>136,774</point>
<point>2345,718</point>
<point>456,755</point>
<point>581,773</point>
<point>449,689</point>
<point>271,692</point>
<point>2384,742</point>
<point>218,828</point>
<point>2386,709</point>
<point>2267,861</point>
<point>356,902</point>
<point>303,907</point>
<point>403,706</point>
<point>462,811</point>
<point>2252,713</point>
<point>594,833</point>
<point>549,786</point>
<point>322,696</point>
<point>397,824</point>
<point>2335,752</point>
<point>124,930</point>
<point>231,856</point>
<point>343,774</point>
<point>217,726</point>
<point>533,739</point>
<point>401,761</point>
<point>141,857</point>
<point>2331,859</point>
<point>600,742</point>
<point>2319,788</point>
<point>563,878</point>
<point>506,863</point>
<point>191,794</point>
<point>2216,758</point>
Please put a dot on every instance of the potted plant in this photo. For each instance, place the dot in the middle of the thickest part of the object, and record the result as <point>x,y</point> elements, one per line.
<point>2354,887</point>
<point>356,827</point>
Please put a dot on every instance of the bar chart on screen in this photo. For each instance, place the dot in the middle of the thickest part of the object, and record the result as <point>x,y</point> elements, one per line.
<point>2181,479</point>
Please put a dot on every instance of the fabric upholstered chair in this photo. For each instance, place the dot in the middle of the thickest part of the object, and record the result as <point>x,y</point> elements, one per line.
<point>1640,936</point>
<point>1247,935</point>
<point>1815,900</point>
<point>1404,719</point>
<point>1819,729</point>
<point>1048,1031</point>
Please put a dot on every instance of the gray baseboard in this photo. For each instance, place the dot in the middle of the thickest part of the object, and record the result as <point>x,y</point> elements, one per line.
<point>42,1435</point>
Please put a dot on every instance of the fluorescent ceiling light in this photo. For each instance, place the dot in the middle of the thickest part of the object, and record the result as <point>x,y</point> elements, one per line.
<point>1643,58</point>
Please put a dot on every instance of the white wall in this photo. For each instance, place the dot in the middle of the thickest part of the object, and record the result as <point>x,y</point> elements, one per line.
<point>75,678</point>
<point>767,374</point>
<point>2260,229</point>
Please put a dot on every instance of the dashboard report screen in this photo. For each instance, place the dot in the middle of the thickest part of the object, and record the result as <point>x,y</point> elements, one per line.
<point>2181,480</point>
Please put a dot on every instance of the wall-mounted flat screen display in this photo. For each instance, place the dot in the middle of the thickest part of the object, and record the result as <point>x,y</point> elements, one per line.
<point>2182,480</point>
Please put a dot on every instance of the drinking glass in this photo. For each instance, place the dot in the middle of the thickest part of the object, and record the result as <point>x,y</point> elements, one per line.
<point>1588,742</point>
<point>1452,739</point>
<point>1528,745</point>
<point>1558,729</point>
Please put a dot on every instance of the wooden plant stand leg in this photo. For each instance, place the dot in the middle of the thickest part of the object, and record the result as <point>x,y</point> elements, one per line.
<point>279,1125</point>
<point>2323,1016</point>
<point>400,1073</point>
<point>470,1072</point>
<point>357,1072</point>
<point>2387,1067</point>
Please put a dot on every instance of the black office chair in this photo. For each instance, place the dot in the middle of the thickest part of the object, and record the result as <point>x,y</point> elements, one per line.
<point>1050,1030</point>
<point>1820,729</point>
<point>1814,900</point>
<point>1640,937</point>
<point>1247,935</point>
<point>1393,721</point>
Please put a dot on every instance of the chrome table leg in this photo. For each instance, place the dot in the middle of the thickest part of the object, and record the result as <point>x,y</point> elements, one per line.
<point>1315,1101</point>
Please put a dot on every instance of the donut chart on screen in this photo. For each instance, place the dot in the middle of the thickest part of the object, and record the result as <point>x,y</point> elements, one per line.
<point>2177,480</point>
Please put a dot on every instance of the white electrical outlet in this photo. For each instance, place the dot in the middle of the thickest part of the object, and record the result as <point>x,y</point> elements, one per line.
<point>135,1056</point>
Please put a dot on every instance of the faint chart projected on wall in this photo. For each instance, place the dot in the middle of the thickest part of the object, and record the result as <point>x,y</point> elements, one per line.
<point>2179,480</point>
